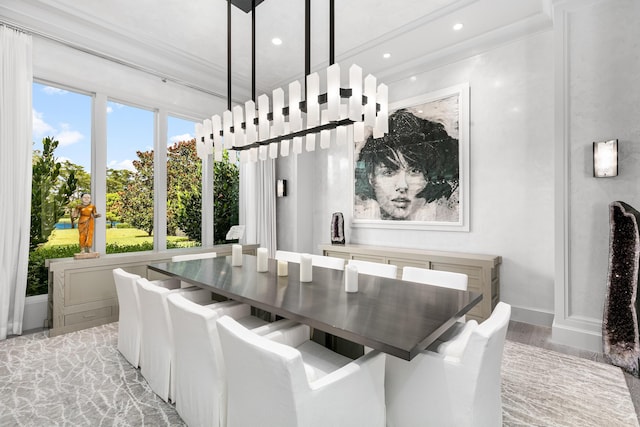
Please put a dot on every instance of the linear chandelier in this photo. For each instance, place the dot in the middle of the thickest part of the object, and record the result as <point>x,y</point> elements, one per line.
<point>271,127</point>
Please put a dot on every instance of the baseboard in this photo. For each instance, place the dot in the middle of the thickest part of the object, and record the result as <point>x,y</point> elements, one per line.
<point>35,312</point>
<point>531,316</point>
<point>579,333</point>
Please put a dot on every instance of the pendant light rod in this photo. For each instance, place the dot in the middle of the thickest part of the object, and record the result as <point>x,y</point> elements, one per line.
<point>228,54</point>
<point>332,32</point>
<point>307,43</point>
<point>253,50</point>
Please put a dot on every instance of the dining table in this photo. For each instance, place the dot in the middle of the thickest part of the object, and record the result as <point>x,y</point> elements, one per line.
<point>397,317</point>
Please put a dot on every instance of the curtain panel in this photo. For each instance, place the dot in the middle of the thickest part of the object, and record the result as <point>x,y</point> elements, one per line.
<point>16,79</point>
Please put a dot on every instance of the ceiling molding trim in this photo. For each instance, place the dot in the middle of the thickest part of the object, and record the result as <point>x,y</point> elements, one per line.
<point>486,42</point>
<point>132,51</point>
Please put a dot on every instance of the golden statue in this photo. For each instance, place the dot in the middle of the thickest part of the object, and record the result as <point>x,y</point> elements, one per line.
<point>85,215</point>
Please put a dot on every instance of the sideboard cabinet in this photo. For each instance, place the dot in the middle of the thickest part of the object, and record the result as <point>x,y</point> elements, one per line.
<point>82,293</point>
<point>483,270</point>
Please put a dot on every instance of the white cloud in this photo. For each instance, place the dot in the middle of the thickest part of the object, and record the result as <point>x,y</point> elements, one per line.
<point>180,138</point>
<point>40,127</point>
<point>54,91</point>
<point>124,164</point>
<point>109,109</point>
<point>69,137</point>
<point>66,136</point>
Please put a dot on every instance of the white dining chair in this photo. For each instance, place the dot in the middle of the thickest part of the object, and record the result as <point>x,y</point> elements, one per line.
<point>446,279</point>
<point>288,256</point>
<point>459,385</point>
<point>283,379</point>
<point>129,321</point>
<point>333,263</point>
<point>190,257</point>
<point>156,349</point>
<point>200,378</point>
<point>375,268</point>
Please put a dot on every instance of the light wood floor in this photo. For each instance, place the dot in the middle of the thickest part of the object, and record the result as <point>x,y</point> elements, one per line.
<point>540,336</point>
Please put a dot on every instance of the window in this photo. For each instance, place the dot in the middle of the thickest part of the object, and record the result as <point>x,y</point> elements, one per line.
<point>184,185</point>
<point>61,173</point>
<point>130,136</point>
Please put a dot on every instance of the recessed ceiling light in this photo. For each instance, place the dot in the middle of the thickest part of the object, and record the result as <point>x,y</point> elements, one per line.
<point>386,55</point>
<point>458,27</point>
<point>413,78</point>
<point>276,41</point>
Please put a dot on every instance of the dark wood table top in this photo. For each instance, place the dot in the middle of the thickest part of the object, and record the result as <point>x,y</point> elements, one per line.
<point>397,317</point>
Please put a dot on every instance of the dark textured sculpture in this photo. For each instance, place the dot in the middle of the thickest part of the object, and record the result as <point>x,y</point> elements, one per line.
<point>620,323</point>
<point>337,229</point>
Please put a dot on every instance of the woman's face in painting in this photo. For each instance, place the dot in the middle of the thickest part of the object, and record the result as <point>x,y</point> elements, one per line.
<point>86,199</point>
<point>396,185</point>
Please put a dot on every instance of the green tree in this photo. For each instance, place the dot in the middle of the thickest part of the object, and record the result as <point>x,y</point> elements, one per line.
<point>225,201</point>
<point>50,192</point>
<point>114,206</point>
<point>118,179</point>
<point>83,185</point>
<point>137,198</point>
<point>184,181</point>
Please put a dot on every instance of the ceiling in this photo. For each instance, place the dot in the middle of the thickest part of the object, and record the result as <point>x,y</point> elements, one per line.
<point>184,41</point>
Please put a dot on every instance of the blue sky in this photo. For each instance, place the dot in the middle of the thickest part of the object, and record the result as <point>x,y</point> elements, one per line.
<point>66,116</point>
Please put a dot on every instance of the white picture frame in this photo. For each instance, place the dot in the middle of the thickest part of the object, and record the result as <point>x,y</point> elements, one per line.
<point>448,108</point>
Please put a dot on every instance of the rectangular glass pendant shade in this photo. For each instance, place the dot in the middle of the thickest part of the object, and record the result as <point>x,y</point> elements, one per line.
<point>295,115</point>
<point>227,123</point>
<point>216,123</point>
<point>370,107</point>
<point>251,134</point>
<point>313,108</point>
<point>278,118</point>
<point>333,92</point>
<point>238,132</point>
<point>355,101</point>
<point>263,112</point>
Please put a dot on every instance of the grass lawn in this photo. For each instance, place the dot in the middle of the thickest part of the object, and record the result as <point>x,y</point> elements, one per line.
<point>122,236</point>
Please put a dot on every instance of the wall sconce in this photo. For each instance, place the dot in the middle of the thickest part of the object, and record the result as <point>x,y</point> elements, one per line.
<point>281,187</point>
<point>605,158</point>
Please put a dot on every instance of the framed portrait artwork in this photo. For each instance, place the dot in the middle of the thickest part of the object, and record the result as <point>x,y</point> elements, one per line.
<point>416,176</point>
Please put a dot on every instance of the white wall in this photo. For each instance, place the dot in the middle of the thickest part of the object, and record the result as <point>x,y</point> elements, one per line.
<point>511,172</point>
<point>598,42</point>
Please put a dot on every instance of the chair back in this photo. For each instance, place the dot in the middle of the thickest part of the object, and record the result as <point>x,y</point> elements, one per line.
<point>445,279</point>
<point>375,268</point>
<point>157,339</point>
<point>333,263</point>
<point>457,386</point>
<point>483,355</point>
<point>200,389</point>
<point>265,378</point>
<point>129,324</point>
<point>189,257</point>
<point>288,256</point>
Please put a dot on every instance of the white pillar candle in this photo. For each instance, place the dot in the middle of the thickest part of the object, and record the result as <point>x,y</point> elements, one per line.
<point>283,268</point>
<point>351,278</point>
<point>263,260</point>
<point>305,268</point>
<point>236,255</point>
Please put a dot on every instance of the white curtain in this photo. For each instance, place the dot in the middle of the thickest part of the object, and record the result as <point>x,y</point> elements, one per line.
<point>16,77</point>
<point>258,203</point>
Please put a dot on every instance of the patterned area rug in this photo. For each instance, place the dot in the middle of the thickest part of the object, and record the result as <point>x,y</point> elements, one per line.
<point>545,388</point>
<point>80,379</point>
